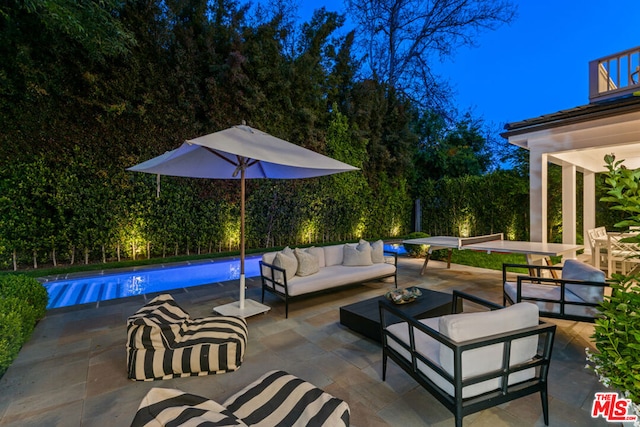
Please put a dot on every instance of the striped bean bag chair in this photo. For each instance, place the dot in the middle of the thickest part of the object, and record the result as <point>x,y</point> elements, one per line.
<point>280,399</point>
<point>167,406</point>
<point>275,399</point>
<point>164,342</point>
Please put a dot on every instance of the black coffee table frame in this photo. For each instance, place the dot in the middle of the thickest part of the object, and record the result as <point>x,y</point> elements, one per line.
<point>364,316</point>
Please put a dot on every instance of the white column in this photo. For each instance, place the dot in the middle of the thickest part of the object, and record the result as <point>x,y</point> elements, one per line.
<point>569,217</point>
<point>589,206</point>
<point>538,196</point>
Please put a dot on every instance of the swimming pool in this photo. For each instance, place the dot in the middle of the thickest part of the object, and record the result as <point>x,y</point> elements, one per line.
<point>107,285</point>
<point>157,278</point>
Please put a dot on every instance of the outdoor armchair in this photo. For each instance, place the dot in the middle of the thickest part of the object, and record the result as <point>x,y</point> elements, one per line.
<point>472,361</point>
<point>575,295</point>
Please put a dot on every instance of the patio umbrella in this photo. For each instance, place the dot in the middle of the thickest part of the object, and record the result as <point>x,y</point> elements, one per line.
<point>242,152</point>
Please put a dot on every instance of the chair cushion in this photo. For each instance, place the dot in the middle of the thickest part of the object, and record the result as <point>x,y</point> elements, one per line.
<point>576,270</point>
<point>549,292</point>
<point>278,398</point>
<point>164,406</point>
<point>358,255</point>
<point>426,346</point>
<point>308,262</point>
<point>468,326</point>
<point>334,276</point>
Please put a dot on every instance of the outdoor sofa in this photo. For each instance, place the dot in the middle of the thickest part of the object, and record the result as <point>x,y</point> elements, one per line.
<point>575,295</point>
<point>293,273</point>
<point>275,399</point>
<point>472,361</point>
<point>164,342</point>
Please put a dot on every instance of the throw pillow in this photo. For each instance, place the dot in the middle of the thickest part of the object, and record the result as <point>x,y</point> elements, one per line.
<point>377,252</point>
<point>319,254</point>
<point>308,263</point>
<point>287,260</point>
<point>357,255</point>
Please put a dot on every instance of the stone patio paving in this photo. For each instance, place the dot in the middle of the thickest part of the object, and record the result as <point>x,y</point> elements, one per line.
<point>72,372</point>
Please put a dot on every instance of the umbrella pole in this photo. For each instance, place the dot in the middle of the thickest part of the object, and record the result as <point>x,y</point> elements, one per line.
<point>243,308</point>
<point>242,195</point>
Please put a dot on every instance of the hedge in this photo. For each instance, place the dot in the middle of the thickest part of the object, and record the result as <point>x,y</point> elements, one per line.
<point>23,302</point>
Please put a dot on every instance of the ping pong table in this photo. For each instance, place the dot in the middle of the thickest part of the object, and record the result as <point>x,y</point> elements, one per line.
<point>489,243</point>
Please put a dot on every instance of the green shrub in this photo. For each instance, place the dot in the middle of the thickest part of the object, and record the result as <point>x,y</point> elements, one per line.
<point>26,313</point>
<point>10,338</point>
<point>23,301</point>
<point>616,360</point>
<point>416,251</point>
<point>27,289</point>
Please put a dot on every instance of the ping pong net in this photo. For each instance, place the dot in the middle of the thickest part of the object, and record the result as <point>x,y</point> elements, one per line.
<point>466,241</point>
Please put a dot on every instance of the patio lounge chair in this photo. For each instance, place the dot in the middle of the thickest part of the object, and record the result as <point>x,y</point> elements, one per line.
<point>275,399</point>
<point>164,342</point>
<point>623,256</point>
<point>575,295</point>
<point>597,251</point>
<point>472,361</point>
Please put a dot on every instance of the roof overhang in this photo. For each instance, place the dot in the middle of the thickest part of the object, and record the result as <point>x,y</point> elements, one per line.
<point>583,135</point>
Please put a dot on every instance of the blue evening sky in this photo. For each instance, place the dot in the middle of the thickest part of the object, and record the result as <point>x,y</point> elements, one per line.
<point>538,64</point>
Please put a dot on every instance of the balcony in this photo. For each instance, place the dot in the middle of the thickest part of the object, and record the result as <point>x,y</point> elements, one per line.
<point>615,75</point>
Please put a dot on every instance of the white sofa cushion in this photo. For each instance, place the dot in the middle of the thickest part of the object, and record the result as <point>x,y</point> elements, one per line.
<point>319,254</point>
<point>307,262</point>
<point>377,252</point>
<point>359,255</point>
<point>286,259</point>
<point>576,270</point>
<point>334,276</point>
<point>267,258</point>
<point>333,255</point>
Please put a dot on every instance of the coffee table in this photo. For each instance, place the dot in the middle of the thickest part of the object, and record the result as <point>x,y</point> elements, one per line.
<point>364,316</point>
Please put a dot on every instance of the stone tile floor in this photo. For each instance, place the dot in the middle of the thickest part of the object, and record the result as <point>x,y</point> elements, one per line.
<point>72,372</point>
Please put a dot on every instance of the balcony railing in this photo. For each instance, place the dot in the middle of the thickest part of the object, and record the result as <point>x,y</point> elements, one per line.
<point>614,75</point>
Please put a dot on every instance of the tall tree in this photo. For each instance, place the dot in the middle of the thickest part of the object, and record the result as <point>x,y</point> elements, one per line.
<point>452,150</point>
<point>402,37</point>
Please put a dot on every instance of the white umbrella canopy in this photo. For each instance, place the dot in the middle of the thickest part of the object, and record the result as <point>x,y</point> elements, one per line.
<point>242,152</point>
<point>219,155</point>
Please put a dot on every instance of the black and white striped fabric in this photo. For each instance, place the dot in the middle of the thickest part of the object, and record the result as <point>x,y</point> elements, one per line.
<point>281,399</point>
<point>277,399</point>
<point>170,407</point>
<point>164,342</point>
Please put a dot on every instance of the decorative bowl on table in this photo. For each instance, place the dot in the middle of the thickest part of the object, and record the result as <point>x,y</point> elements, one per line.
<point>403,296</point>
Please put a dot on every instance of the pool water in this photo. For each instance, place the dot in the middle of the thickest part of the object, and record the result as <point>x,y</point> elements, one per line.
<point>107,286</point>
